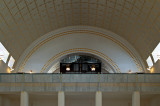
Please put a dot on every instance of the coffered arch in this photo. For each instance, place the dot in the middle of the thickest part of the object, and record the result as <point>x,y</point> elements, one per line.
<point>23,21</point>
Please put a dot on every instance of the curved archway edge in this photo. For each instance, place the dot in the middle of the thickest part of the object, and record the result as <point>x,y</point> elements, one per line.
<point>81,30</point>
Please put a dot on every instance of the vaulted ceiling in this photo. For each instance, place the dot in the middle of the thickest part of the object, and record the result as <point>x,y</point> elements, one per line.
<point>23,21</point>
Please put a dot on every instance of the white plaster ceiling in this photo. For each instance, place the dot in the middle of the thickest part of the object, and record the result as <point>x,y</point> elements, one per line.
<point>23,21</point>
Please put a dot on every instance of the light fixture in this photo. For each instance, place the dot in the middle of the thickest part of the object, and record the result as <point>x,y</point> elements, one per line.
<point>68,67</point>
<point>93,68</point>
<point>152,70</point>
<point>129,71</point>
<point>12,69</point>
<point>30,72</point>
<point>149,68</point>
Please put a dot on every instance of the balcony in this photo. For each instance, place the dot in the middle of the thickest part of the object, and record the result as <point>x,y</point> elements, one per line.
<point>37,82</point>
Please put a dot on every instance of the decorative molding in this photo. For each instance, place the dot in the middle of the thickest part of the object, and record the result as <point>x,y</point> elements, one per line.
<point>80,29</point>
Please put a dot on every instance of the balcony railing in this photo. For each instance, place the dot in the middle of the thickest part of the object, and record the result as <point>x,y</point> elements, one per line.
<point>79,78</point>
<point>37,82</point>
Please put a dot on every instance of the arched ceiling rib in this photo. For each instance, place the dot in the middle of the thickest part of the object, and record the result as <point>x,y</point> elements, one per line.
<point>23,21</point>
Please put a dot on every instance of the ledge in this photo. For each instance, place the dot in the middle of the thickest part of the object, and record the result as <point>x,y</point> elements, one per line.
<point>80,82</point>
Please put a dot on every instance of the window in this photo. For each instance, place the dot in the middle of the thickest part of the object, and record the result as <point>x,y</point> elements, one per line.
<point>11,62</point>
<point>149,62</point>
<point>3,53</point>
<point>156,53</point>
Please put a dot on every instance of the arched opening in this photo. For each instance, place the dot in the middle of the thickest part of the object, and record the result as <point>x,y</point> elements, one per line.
<point>81,63</point>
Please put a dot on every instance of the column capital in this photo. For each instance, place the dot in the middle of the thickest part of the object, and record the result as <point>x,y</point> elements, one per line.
<point>60,91</point>
<point>99,91</point>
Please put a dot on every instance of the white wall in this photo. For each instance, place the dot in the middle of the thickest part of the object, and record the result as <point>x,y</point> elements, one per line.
<point>102,43</point>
